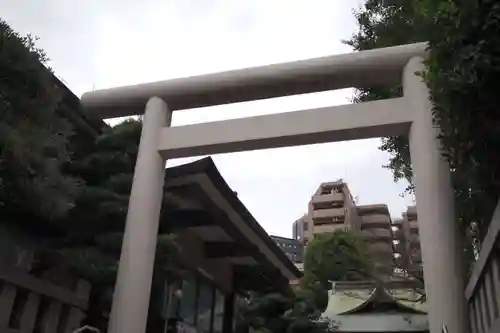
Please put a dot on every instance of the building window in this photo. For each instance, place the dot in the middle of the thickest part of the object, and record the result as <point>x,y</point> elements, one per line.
<point>338,219</point>
<point>239,324</point>
<point>204,308</point>
<point>218,312</point>
<point>324,220</point>
<point>188,301</point>
<point>306,226</point>
<point>171,301</point>
<point>200,306</point>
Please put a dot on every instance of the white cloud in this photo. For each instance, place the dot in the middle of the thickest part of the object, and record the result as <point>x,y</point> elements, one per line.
<point>99,44</point>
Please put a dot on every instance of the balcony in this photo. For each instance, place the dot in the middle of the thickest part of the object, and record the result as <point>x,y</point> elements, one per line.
<point>324,228</point>
<point>414,241</point>
<point>411,213</point>
<point>399,235</point>
<point>384,268</point>
<point>400,247</point>
<point>377,234</point>
<point>376,221</point>
<point>401,261</point>
<point>416,257</point>
<point>414,238</point>
<point>398,223</point>
<point>373,210</point>
<point>415,270</point>
<point>325,214</point>
<point>332,185</point>
<point>413,224</point>
<point>381,249</point>
<point>323,201</point>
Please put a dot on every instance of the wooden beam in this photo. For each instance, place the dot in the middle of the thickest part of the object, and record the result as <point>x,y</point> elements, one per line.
<point>228,249</point>
<point>21,279</point>
<point>180,219</point>
<point>261,278</point>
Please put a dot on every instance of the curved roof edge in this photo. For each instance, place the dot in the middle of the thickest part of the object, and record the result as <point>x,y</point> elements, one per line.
<point>381,293</point>
<point>207,166</point>
<point>354,300</point>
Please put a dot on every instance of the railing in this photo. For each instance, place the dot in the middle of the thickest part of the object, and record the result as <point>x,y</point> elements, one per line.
<point>30,304</point>
<point>483,290</point>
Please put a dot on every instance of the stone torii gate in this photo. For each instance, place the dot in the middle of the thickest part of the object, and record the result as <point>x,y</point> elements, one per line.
<point>407,115</point>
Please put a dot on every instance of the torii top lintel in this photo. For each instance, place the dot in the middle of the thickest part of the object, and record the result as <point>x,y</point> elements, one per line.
<point>358,69</point>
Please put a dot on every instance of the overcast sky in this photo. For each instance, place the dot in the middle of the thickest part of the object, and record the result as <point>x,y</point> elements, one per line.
<point>96,44</point>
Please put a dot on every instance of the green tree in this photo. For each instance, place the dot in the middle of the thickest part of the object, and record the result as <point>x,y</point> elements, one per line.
<point>93,228</point>
<point>33,137</point>
<point>295,313</point>
<point>336,256</point>
<point>345,256</point>
<point>101,205</point>
<point>463,63</point>
<point>49,175</point>
<point>382,24</point>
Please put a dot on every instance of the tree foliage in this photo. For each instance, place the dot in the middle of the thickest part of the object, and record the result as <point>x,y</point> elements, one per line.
<point>336,256</point>
<point>33,137</point>
<point>278,313</point>
<point>463,62</point>
<point>94,226</point>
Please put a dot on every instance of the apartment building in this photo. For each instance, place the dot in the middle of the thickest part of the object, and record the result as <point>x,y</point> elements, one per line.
<point>408,239</point>
<point>399,245</point>
<point>298,228</point>
<point>293,248</point>
<point>375,223</point>
<point>331,208</point>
